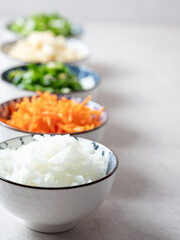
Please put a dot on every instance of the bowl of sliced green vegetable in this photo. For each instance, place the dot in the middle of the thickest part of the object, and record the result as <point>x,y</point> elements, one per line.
<point>54,22</point>
<point>54,77</point>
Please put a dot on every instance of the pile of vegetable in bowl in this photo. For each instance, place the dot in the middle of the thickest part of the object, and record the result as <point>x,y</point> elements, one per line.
<point>54,161</point>
<point>54,181</point>
<point>42,22</point>
<point>54,77</point>
<point>44,46</point>
<point>47,113</point>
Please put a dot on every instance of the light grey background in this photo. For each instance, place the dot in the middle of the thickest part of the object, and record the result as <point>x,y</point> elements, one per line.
<point>136,50</point>
<point>160,11</point>
<point>140,70</point>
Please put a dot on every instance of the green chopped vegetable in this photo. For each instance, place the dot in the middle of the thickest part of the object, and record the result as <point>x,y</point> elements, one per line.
<point>52,77</point>
<point>42,22</point>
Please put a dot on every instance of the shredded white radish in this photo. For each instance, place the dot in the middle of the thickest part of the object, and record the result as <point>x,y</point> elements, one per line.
<point>54,161</point>
<point>44,47</point>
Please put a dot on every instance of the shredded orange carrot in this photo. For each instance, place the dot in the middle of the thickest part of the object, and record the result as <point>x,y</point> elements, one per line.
<point>46,113</point>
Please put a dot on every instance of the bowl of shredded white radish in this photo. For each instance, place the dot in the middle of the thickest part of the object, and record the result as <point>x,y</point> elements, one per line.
<point>42,47</point>
<point>51,182</point>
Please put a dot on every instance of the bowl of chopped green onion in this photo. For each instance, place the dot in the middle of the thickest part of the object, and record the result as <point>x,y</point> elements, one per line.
<point>54,77</point>
<point>54,22</point>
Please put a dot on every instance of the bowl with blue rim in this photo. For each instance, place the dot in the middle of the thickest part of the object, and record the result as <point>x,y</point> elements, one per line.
<point>55,209</point>
<point>9,131</point>
<point>54,77</point>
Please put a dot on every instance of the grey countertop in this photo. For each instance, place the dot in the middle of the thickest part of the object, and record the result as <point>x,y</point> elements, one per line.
<point>140,70</point>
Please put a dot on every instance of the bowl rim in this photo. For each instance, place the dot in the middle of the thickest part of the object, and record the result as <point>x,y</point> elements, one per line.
<point>68,187</point>
<point>4,45</point>
<point>60,96</point>
<point>81,67</point>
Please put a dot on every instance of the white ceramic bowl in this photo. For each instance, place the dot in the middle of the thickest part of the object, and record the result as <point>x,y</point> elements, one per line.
<point>54,209</point>
<point>8,132</point>
<point>88,78</point>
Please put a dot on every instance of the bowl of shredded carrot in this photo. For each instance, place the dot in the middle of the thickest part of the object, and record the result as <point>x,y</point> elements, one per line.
<point>47,113</point>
